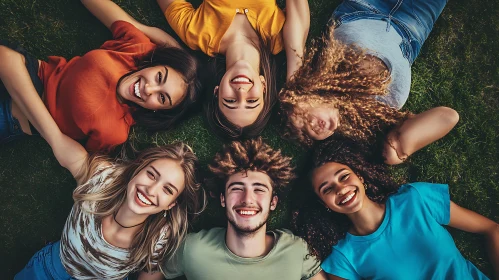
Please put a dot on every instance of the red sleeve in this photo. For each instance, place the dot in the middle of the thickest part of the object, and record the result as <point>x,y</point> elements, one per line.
<point>104,136</point>
<point>125,35</point>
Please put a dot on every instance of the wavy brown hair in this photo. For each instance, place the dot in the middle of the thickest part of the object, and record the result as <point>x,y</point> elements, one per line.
<point>110,198</point>
<point>336,75</point>
<point>250,155</point>
<point>312,221</point>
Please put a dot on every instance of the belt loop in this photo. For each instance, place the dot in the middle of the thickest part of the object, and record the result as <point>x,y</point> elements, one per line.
<point>388,23</point>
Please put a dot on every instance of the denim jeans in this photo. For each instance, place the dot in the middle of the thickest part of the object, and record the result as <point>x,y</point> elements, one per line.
<point>412,19</point>
<point>45,264</point>
<point>10,129</point>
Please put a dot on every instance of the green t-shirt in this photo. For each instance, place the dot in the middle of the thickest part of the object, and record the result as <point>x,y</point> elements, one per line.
<point>204,255</point>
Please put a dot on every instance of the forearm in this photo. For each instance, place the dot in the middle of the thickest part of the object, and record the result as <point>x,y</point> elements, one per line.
<point>18,83</point>
<point>492,238</point>
<point>417,132</point>
<point>295,32</point>
<point>109,12</point>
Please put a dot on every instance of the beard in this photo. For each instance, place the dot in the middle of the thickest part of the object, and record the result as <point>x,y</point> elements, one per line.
<point>247,230</point>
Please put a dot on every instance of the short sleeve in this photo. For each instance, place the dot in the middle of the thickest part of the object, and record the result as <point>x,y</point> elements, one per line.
<point>311,265</point>
<point>435,200</point>
<point>337,264</point>
<point>173,266</point>
<point>125,35</point>
<point>179,14</point>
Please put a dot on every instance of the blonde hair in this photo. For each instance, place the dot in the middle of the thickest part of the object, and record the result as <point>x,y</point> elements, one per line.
<point>110,198</point>
<point>334,75</point>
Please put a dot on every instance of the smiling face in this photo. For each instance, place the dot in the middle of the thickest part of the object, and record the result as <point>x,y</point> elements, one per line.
<point>317,122</point>
<point>156,187</point>
<point>241,94</point>
<point>154,88</point>
<point>339,187</point>
<point>248,201</point>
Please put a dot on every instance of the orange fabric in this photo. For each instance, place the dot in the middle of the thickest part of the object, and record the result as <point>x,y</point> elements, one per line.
<point>80,94</point>
<point>203,28</point>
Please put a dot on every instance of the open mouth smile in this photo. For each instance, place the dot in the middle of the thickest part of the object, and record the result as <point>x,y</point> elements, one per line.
<point>136,90</point>
<point>246,212</point>
<point>241,79</point>
<point>142,198</point>
<point>348,198</point>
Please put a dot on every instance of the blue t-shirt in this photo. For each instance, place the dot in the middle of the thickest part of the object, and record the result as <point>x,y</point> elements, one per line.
<point>410,243</point>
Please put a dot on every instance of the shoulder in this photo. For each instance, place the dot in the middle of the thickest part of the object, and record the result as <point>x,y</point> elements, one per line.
<point>285,238</point>
<point>205,236</point>
<point>422,189</point>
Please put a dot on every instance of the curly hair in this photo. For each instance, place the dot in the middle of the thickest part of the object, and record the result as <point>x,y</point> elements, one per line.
<point>312,220</point>
<point>250,155</point>
<point>335,75</point>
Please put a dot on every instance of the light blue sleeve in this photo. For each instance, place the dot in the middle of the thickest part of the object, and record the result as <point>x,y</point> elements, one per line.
<point>435,200</point>
<point>337,264</point>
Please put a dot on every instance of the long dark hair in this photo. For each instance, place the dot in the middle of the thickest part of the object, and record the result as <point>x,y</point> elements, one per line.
<point>181,61</point>
<point>216,120</point>
<point>312,221</point>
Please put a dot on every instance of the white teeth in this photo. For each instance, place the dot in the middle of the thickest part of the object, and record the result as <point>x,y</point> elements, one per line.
<point>244,212</point>
<point>143,199</point>
<point>137,92</point>
<point>241,79</point>
<point>348,198</point>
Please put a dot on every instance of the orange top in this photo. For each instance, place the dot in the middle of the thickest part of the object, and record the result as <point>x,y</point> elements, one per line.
<point>80,94</point>
<point>203,28</point>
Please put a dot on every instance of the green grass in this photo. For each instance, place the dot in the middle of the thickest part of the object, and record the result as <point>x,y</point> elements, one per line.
<point>457,67</point>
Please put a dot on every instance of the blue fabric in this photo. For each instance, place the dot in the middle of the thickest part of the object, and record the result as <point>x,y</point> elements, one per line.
<point>411,242</point>
<point>10,128</point>
<point>45,264</point>
<point>413,19</point>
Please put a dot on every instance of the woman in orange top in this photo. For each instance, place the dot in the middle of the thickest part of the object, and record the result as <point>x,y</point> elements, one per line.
<point>142,76</point>
<point>246,33</point>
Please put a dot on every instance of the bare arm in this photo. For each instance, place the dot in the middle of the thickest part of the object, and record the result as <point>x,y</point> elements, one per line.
<point>108,12</point>
<point>334,277</point>
<point>295,32</point>
<point>151,276</point>
<point>417,132</point>
<point>467,220</point>
<point>15,77</point>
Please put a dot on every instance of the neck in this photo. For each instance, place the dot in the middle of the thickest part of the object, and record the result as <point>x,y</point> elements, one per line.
<point>242,49</point>
<point>368,219</point>
<point>250,245</point>
<point>125,219</point>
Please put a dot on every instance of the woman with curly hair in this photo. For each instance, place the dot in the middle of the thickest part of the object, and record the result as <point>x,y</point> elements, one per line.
<point>242,36</point>
<point>333,93</point>
<point>142,76</point>
<point>357,209</point>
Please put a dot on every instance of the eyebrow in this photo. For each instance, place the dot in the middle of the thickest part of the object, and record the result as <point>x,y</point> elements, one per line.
<point>164,82</point>
<point>260,185</point>
<point>247,107</point>
<point>326,182</point>
<point>235,183</point>
<point>167,184</point>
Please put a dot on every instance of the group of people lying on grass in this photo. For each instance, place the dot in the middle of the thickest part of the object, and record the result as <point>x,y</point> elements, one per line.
<point>342,97</point>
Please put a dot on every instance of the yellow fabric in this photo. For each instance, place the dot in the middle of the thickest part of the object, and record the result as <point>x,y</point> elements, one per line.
<point>203,28</point>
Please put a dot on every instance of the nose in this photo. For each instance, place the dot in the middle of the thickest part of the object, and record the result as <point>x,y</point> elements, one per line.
<point>152,189</point>
<point>150,89</point>
<point>247,197</point>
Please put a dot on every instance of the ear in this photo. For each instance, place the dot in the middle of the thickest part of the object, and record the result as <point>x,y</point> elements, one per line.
<point>273,202</point>
<point>222,200</point>
<point>171,205</point>
<point>360,178</point>
<point>262,79</point>
<point>215,91</point>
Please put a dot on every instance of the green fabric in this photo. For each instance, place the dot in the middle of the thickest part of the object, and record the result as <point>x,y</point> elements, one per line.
<point>204,255</point>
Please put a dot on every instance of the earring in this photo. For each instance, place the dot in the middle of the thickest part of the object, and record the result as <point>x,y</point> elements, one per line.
<point>164,214</point>
<point>328,210</point>
<point>154,111</point>
<point>365,186</point>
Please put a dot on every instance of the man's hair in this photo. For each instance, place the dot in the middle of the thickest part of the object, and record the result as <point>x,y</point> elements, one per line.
<point>250,155</point>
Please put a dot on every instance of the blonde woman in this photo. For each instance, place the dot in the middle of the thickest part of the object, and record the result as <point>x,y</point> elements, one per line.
<point>126,216</point>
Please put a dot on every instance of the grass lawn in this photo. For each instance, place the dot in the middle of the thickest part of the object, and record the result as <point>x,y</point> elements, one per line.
<point>458,67</point>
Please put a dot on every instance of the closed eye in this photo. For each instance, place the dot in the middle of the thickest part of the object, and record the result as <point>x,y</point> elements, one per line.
<point>229,100</point>
<point>253,100</point>
<point>345,177</point>
<point>168,190</point>
<point>151,175</point>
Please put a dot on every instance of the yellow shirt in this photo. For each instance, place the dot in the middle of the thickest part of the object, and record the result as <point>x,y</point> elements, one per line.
<point>203,28</point>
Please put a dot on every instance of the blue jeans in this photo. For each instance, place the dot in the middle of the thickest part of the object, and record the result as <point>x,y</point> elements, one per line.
<point>45,264</point>
<point>412,19</point>
<point>10,129</point>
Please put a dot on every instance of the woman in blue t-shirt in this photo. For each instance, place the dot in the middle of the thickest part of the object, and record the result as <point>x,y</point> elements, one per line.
<point>378,230</point>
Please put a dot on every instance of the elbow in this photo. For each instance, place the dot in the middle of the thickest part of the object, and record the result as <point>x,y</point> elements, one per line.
<point>392,152</point>
<point>448,116</point>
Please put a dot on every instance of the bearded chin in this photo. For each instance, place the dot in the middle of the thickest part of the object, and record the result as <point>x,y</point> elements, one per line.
<point>247,231</point>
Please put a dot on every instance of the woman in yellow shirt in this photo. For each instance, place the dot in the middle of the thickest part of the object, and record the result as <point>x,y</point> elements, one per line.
<point>247,33</point>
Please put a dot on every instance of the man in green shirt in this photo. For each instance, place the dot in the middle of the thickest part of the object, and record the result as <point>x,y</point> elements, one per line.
<point>248,177</point>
